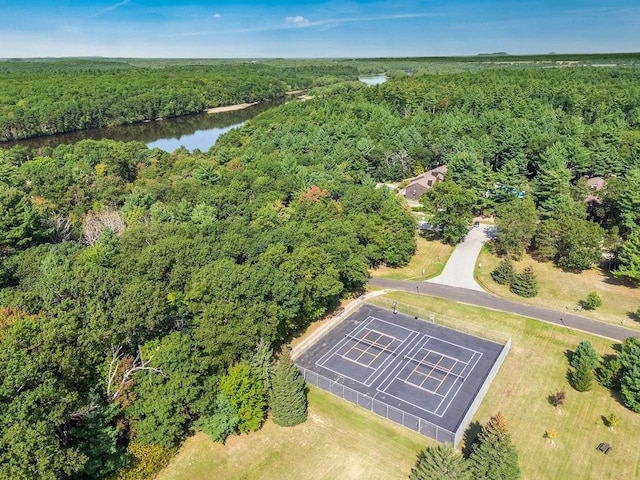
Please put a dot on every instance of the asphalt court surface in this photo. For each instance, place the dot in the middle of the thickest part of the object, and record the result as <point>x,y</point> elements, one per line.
<point>421,368</point>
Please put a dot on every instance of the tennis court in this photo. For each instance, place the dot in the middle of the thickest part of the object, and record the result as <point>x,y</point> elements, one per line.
<point>410,365</point>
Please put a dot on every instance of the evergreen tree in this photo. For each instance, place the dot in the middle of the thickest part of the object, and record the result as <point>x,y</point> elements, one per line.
<point>582,377</point>
<point>525,284</point>
<point>629,202</point>
<point>262,362</point>
<point>630,373</point>
<point>440,463</point>
<point>288,400</point>
<point>585,353</point>
<point>630,258</point>
<point>504,273</point>
<point>493,455</point>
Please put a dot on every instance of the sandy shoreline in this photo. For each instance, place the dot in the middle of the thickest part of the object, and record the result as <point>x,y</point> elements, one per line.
<point>230,108</point>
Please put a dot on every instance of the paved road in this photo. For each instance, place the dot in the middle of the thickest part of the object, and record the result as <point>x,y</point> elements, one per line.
<point>483,299</point>
<point>458,272</point>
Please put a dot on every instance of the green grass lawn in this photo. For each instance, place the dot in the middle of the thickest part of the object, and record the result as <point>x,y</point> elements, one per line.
<point>559,289</point>
<point>534,369</point>
<point>341,440</point>
<point>428,261</point>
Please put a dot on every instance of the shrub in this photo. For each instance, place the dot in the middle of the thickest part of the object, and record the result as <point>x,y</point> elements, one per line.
<point>592,301</point>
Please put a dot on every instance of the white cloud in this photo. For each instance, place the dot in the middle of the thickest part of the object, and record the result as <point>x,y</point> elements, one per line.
<point>298,21</point>
<point>111,7</point>
<point>217,15</point>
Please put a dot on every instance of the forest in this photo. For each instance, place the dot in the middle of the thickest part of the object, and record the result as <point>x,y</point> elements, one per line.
<point>136,283</point>
<point>45,98</point>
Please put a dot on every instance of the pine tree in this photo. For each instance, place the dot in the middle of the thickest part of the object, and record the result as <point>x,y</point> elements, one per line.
<point>582,377</point>
<point>504,273</point>
<point>585,353</point>
<point>525,284</point>
<point>262,362</point>
<point>440,463</point>
<point>493,455</point>
<point>288,400</point>
<point>630,258</point>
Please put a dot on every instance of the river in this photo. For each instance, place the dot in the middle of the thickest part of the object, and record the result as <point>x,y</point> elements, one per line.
<point>191,131</point>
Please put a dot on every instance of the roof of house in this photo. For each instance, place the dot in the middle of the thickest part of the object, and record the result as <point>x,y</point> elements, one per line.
<point>595,183</point>
<point>427,179</point>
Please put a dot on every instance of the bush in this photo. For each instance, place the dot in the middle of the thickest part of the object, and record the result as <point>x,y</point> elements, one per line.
<point>504,273</point>
<point>592,301</point>
<point>222,423</point>
<point>146,461</point>
<point>525,284</point>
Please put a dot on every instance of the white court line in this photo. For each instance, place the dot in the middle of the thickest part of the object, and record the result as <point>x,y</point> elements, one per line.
<point>320,362</point>
<point>455,345</point>
<point>459,386</point>
<point>420,346</point>
<point>390,359</point>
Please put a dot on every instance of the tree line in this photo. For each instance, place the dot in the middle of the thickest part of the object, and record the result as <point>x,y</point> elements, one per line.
<point>163,271</point>
<point>45,98</point>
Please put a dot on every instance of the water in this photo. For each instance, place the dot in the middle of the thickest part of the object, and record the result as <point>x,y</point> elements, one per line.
<point>373,79</point>
<point>191,131</point>
<point>200,139</point>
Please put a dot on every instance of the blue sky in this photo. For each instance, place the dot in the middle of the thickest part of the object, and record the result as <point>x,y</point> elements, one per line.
<point>282,28</point>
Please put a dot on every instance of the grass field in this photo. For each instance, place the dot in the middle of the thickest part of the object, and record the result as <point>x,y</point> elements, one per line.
<point>343,441</point>
<point>428,261</point>
<point>339,440</point>
<point>536,368</point>
<point>559,289</point>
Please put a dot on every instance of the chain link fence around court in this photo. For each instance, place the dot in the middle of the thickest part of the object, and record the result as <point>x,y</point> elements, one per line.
<point>442,320</point>
<point>363,400</point>
<point>401,417</point>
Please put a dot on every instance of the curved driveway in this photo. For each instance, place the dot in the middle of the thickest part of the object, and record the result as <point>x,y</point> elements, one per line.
<point>483,299</point>
<point>459,270</point>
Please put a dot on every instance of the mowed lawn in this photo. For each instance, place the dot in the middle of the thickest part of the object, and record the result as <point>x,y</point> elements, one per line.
<point>339,440</point>
<point>563,290</point>
<point>535,368</point>
<point>428,261</point>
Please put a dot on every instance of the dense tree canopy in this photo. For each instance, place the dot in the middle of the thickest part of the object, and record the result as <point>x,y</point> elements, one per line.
<point>162,271</point>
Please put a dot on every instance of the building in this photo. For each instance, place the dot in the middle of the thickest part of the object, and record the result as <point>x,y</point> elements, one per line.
<point>420,184</point>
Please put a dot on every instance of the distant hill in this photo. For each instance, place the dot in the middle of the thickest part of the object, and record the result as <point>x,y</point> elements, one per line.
<point>495,54</point>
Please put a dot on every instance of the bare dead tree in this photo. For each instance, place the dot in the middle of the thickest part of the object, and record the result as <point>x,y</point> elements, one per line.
<point>122,368</point>
<point>61,228</point>
<point>94,223</point>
